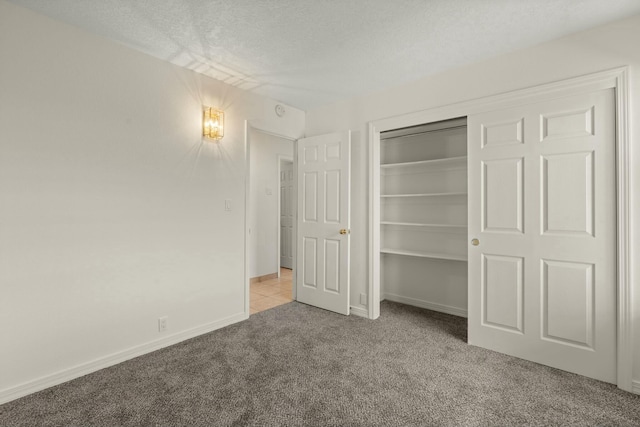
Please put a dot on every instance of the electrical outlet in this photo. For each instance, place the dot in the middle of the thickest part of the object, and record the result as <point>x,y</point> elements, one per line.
<point>162,324</point>
<point>363,299</point>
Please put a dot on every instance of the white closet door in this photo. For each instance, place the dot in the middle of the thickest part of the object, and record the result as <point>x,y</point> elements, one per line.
<point>286,215</point>
<point>542,282</point>
<point>322,270</point>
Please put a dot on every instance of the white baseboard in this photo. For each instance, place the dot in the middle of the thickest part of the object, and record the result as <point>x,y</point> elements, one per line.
<point>69,374</point>
<point>635,387</point>
<point>360,312</point>
<point>462,312</point>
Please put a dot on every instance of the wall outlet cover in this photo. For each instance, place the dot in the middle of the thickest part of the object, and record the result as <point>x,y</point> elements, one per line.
<point>162,324</point>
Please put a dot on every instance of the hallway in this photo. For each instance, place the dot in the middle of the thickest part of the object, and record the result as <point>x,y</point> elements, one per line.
<point>271,293</point>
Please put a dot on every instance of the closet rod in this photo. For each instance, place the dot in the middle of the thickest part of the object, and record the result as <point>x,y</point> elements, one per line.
<point>423,132</point>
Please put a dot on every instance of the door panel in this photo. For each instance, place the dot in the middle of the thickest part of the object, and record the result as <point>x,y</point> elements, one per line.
<point>502,285</point>
<point>542,283</point>
<point>567,303</point>
<point>567,124</point>
<point>310,155</point>
<point>323,199</point>
<point>310,210</point>
<point>332,266</point>
<point>502,133</point>
<point>567,193</point>
<point>502,195</point>
<point>332,197</point>
<point>310,262</point>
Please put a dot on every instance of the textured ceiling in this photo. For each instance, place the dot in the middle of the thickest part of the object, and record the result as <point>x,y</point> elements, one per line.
<point>312,52</point>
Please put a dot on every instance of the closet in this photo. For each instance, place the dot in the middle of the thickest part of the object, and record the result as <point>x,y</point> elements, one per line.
<point>423,215</point>
<point>515,216</point>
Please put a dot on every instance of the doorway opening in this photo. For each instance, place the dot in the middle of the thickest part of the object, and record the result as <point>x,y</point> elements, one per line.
<point>271,217</point>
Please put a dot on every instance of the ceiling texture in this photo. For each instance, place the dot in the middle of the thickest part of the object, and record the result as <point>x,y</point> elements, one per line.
<point>308,53</point>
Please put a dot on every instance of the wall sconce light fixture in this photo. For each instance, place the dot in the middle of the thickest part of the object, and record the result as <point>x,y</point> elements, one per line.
<point>213,123</point>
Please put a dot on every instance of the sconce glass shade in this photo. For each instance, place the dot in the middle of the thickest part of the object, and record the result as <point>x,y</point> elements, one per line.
<point>212,123</point>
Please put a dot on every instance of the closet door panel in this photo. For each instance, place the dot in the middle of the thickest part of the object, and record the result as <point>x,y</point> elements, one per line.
<point>542,283</point>
<point>502,198</point>
<point>503,292</point>
<point>568,193</point>
<point>501,133</point>
<point>568,306</point>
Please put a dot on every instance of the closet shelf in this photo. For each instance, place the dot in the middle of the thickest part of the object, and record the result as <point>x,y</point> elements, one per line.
<point>423,225</point>
<point>434,255</point>
<point>444,163</point>
<point>422,195</point>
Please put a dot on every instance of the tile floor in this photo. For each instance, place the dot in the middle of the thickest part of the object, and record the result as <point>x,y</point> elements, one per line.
<point>271,293</point>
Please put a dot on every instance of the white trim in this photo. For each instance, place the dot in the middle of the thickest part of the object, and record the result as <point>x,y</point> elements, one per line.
<point>247,200</point>
<point>248,126</point>
<point>359,311</point>
<point>635,387</point>
<point>618,80</point>
<point>456,311</point>
<point>591,82</point>
<point>294,278</point>
<point>623,191</point>
<point>77,371</point>
<point>373,293</point>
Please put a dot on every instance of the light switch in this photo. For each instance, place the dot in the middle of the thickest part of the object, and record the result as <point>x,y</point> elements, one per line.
<point>227,205</point>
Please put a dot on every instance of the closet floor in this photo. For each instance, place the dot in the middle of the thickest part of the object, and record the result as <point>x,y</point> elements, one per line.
<point>271,293</point>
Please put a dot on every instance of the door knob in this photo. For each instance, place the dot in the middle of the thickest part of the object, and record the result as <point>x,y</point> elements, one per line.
<point>475,242</point>
<point>344,231</point>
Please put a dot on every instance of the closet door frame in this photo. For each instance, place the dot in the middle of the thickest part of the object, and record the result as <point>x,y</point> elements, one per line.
<point>616,79</point>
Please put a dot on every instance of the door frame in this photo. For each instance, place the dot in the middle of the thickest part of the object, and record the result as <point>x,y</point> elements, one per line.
<point>616,79</point>
<point>280,159</point>
<point>248,127</point>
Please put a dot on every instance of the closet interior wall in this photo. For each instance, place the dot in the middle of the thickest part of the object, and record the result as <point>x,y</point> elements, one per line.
<point>423,216</point>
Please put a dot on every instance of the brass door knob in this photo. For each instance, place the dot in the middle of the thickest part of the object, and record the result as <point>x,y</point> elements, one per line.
<point>344,231</point>
<point>475,242</point>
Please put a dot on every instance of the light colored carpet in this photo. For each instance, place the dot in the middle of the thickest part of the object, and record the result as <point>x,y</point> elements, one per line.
<point>298,365</point>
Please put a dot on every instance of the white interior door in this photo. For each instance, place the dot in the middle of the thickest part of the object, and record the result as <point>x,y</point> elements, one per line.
<point>542,281</point>
<point>323,173</point>
<point>286,215</point>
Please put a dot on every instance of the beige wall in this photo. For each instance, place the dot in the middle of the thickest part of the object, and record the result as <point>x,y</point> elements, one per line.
<point>599,49</point>
<point>112,207</point>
